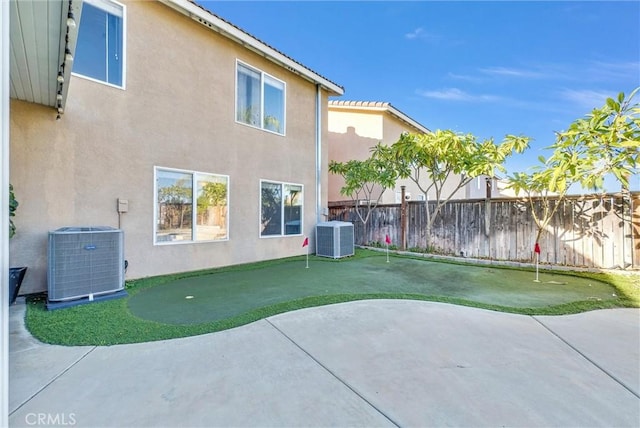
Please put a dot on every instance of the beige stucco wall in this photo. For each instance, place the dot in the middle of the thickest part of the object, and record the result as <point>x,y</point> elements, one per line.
<point>178,112</point>
<point>353,132</point>
<point>366,123</point>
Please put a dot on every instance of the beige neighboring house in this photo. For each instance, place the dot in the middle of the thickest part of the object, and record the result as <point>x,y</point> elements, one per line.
<point>205,145</point>
<point>498,188</point>
<point>355,127</point>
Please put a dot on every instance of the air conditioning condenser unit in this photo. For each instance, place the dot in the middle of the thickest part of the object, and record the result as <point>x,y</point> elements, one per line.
<point>335,239</point>
<point>85,264</point>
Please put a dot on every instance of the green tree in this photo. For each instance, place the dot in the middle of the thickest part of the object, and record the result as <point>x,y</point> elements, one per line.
<point>546,186</point>
<point>271,208</point>
<point>212,194</point>
<point>449,161</point>
<point>606,141</point>
<point>177,201</point>
<point>366,180</point>
<point>13,206</point>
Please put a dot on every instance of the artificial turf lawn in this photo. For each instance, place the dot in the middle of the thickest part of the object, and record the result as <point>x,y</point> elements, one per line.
<point>222,295</point>
<point>157,308</point>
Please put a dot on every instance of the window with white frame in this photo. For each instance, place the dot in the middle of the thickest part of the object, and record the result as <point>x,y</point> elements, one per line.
<point>190,206</point>
<point>280,208</point>
<point>260,99</point>
<point>100,49</point>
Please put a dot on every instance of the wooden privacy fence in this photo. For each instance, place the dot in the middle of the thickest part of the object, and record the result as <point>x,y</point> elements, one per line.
<point>600,231</point>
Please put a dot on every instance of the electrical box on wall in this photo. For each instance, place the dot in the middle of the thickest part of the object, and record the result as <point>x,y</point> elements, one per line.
<point>123,205</point>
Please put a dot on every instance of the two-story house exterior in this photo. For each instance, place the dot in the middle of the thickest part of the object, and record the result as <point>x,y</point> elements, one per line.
<point>205,145</point>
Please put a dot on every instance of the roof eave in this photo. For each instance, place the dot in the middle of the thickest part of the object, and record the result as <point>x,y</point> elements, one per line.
<point>379,106</point>
<point>40,37</point>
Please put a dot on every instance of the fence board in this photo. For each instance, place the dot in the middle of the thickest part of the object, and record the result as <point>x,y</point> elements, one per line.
<point>589,231</point>
<point>635,231</point>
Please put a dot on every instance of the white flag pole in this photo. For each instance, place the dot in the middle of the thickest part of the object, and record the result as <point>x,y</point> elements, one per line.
<point>305,243</point>
<point>387,241</point>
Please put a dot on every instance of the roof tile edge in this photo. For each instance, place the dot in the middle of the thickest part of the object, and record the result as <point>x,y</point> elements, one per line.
<point>379,106</point>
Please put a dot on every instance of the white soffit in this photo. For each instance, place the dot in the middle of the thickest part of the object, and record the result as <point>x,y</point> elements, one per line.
<point>38,30</point>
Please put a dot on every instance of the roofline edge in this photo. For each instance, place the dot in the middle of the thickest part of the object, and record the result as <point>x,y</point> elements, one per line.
<point>379,106</point>
<point>208,19</point>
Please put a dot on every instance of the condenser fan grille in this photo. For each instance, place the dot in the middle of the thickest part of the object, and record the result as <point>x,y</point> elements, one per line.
<point>85,262</point>
<point>334,239</point>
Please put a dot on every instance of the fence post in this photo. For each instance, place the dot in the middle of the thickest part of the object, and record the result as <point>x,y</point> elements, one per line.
<point>635,231</point>
<point>403,219</point>
<point>487,217</point>
<point>627,240</point>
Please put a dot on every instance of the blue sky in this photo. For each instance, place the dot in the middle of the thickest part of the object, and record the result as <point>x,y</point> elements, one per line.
<point>488,68</point>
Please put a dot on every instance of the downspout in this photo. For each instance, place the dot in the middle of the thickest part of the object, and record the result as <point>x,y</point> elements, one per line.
<point>318,154</point>
<point>4,212</point>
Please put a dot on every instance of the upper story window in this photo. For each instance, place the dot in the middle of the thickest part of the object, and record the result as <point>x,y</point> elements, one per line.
<point>260,99</point>
<point>101,47</point>
<point>190,206</point>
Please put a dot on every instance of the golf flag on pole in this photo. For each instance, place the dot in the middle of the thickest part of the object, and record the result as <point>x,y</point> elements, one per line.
<point>536,250</point>
<point>388,241</point>
<point>306,244</point>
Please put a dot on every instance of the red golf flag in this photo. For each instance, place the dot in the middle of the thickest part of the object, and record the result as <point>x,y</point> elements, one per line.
<point>537,248</point>
<point>306,242</point>
<point>387,240</point>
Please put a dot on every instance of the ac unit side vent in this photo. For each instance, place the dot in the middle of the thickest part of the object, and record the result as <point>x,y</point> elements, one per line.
<point>85,262</point>
<point>335,239</point>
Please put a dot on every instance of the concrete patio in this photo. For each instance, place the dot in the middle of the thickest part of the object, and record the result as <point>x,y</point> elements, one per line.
<point>365,363</point>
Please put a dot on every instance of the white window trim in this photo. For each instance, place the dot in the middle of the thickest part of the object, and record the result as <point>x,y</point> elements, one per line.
<point>262,83</point>
<point>281,235</point>
<point>106,5</point>
<point>194,213</point>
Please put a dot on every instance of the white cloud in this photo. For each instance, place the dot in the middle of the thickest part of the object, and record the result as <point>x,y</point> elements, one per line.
<point>600,70</point>
<point>513,72</point>
<point>464,77</point>
<point>586,98</point>
<point>592,71</point>
<point>455,94</point>
<point>421,34</point>
<point>415,33</point>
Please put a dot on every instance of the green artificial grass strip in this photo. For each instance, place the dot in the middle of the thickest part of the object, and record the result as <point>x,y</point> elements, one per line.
<point>157,308</point>
<point>222,295</point>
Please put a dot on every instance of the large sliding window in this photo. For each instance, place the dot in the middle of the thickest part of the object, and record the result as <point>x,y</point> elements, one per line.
<point>260,99</point>
<point>280,208</point>
<point>190,206</point>
<point>100,49</point>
